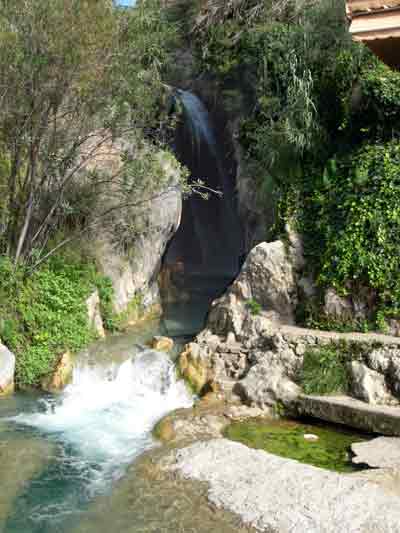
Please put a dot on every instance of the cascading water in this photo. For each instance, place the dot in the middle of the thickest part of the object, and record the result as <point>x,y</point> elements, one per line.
<point>205,254</point>
<point>209,240</point>
<point>101,422</point>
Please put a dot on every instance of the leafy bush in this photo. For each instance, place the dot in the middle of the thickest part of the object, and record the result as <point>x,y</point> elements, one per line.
<point>352,224</point>
<point>44,315</point>
<point>324,371</point>
<point>379,113</point>
<point>254,307</point>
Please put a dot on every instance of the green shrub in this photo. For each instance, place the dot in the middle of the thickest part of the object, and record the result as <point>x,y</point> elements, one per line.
<point>352,224</point>
<point>45,314</point>
<point>254,307</point>
<point>379,113</point>
<point>324,371</point>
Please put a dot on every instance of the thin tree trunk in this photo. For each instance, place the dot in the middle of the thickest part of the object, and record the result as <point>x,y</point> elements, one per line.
<point>24,231</point>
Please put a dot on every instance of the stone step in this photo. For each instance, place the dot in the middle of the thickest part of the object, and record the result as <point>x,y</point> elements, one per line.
<point>351,412</point>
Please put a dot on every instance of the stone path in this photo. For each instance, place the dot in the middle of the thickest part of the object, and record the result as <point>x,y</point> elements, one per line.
<point>351,412</point>
<point>368,338</point>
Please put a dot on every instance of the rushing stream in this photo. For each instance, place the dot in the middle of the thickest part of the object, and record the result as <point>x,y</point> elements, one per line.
<point>71,463</point>
<point>96,428</point>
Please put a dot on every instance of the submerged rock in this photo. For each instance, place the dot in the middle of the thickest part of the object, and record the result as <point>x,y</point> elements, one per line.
<point>7,369</point>
<point>62,375</point>
<point>20,461</point>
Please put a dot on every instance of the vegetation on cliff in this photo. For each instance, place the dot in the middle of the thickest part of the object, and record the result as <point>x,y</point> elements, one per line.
<point>319,124</point>
<point>83,130</point>
<point>318,117</point>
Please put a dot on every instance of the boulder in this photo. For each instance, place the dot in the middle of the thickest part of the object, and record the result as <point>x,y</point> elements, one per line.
<point>266,283</point>
<point>94,314</point>
<point>7,369</point>
<point>369,386</point>
<point>194,367</point>
<point>267,385</point>
<point>338,307</point>
<point>162,344</point>
<point>382,452</point>
<point>61,376</point>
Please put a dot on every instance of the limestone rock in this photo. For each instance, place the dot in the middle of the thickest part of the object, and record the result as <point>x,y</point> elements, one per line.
<point>135,271</point>
<point>94,314</point>
<point>268,278</point>
<point>355,307</point>
<point>273,494</point>
<point>162,344</point>
<point>351,412</point>
<point>7,369</point>
<point>265,386</point>
<point>368,385</point>
<point>337,307</point>
<point>394,327</point>
<point>382,452</point>
<point>62,375</point>
<point>296,248</point>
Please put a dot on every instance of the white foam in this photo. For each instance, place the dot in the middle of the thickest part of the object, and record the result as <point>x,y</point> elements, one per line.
<point>107,413</point>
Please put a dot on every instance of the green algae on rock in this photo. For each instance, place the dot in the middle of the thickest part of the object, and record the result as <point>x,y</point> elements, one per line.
<point>286,438</point>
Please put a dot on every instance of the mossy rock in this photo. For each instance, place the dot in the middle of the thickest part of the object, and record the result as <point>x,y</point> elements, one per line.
<point>194,370</point>
<point>164,430</point>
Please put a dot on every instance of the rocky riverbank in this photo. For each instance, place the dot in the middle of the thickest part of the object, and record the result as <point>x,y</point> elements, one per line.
<point>249,361</point>
<point>273,494</point>
<point>252,348</point>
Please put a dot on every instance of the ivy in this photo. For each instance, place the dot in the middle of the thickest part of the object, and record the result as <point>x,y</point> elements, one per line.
<point>352,224</point>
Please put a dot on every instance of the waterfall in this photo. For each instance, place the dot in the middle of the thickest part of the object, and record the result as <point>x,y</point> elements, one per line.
<point>209,240</point>
<point>98,425</point>
<point>108,411</point>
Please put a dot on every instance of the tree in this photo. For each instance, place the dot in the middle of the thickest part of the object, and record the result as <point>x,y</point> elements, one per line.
<point>76,77</point>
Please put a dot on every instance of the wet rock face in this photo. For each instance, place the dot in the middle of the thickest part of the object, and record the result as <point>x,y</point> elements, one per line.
<point>7,369</point>
<point>162,344</point>
<point>134,271</point>
<point>61,376</point>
